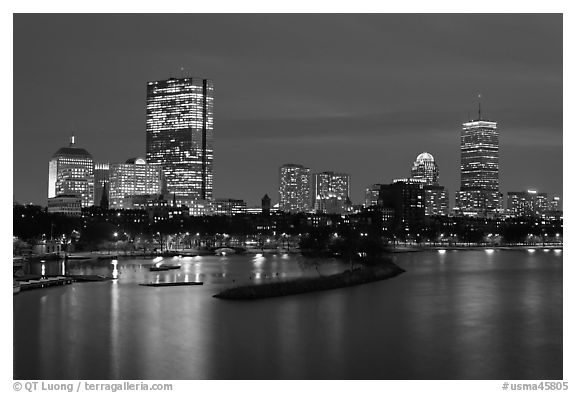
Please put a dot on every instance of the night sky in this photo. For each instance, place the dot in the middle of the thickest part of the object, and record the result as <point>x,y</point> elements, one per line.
<point>361,94</point>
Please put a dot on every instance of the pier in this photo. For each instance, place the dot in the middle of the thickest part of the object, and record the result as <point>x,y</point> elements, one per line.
<point>45,282</point>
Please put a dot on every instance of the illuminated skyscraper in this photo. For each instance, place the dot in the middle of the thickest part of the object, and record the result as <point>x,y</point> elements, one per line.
<point>527,203</point>
<point>131,179</point>
<point>180,134</point>
<point>294,188</point>
<point>71,172</point>
<point>426,170</point>
<point>331,190</point>
<point>479,193</point>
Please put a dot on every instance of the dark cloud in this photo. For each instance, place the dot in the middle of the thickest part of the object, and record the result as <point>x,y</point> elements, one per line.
<point>350,92</point>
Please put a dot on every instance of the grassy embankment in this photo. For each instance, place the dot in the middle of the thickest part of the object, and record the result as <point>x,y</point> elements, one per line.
<point>361,275</point>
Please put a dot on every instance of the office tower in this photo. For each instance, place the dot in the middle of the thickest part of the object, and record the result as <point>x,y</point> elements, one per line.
<point>294,188</point>
<point>101,181</point>
<point>133,178</point>
<point>406,198</point>
<point>479,193</point>
<point>71,172</point>
<point>180,134</point>
<point>528,203</point>
<point>425,168</point>
<point>331,190</point>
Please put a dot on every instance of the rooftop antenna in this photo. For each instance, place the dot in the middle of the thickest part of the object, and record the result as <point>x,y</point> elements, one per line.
<point>72,142</point>
<point>479,107</point>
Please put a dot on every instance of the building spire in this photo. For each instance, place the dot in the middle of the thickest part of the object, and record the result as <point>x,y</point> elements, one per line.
<point>479,106</point>
<point>72,142</point>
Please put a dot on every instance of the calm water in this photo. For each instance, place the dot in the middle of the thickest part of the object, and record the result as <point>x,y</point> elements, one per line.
<point>457,315</point>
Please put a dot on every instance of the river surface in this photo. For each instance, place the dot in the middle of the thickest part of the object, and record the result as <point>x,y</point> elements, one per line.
<point>452,315</point>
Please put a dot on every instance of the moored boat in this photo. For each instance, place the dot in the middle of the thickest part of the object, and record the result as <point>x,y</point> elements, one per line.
<point>162,268</point>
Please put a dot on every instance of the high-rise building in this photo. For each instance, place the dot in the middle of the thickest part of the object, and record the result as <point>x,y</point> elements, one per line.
<point>133,178</point>
<point>180,134</point>
<point>425,168</point>
<point>436,200</point>
<point>529,203</point>
<point>331,190</point>
<point>479,193</point>
<point>372,195</point>
<point>294,188</point>
<point>71,172</point>
<point>101,181</point>
<point>406,198</point>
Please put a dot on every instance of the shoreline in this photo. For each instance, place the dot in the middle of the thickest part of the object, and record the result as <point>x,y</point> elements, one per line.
<point>102,255</point>
<point>403,249</point>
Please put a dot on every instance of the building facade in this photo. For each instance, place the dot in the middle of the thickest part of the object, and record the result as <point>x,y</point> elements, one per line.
<point>425,168</point>
<point>69,205</point>
<point>528,203</point>
<point>229,207</point>
<point>294,189</point>
<point>101,182</point>
<point>405,198</point>
<point>331,192</point>
<point>180,134</point>
<point>371,195</point>
<point>71,172</point>
<point>436,201</point>
<point>479,193</point>
<point>133,178</point>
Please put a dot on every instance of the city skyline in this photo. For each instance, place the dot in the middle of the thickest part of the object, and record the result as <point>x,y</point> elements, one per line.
<point>316,124</point>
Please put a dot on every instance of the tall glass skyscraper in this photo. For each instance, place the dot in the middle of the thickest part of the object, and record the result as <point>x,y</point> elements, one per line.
<point>294,188</point>
<point>180,134</point>
<point>479,193</point>
<point>71,172</point>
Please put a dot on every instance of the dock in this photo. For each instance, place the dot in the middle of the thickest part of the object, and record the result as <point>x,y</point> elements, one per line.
<point>89,277</point>
<point>45,282</point>
<point>172,284</point>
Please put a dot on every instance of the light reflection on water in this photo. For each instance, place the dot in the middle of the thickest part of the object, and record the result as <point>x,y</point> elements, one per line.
<point>467,314</point>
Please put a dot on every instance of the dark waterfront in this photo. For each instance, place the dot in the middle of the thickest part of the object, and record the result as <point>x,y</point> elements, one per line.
<point>452,315</point>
